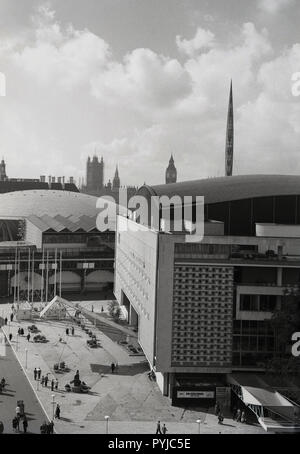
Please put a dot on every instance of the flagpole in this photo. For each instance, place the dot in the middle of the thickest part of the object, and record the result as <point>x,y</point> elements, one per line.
<point>42,282</point>
<point>60,273</point>
<point>15,278</point>
<point>32,279</point>
<point>28,279</point>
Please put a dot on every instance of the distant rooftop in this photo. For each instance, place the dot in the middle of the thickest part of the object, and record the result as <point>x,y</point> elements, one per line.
<point>223,189</point>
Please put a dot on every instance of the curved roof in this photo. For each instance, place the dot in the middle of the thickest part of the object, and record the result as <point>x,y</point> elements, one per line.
<point>23,204</point>
<point>223,189</point>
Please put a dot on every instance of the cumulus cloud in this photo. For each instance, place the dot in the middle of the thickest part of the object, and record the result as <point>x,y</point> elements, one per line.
<point>62,55</point>
<point>203,39</point>
<point>69,95</point>
<point>274,6</point>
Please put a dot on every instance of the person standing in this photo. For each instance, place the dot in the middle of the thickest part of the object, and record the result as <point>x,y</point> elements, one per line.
<point>220,418</point>
<point>15,424</point>
<point>112,367</point>
<point>35,373</point>
<point>217,408</point>
<point>18,412</point>
<point>28,337</point>
<point>238,415</point>
<point>1,427</point>
<point>73,330</point>
<point>67,331</point>
<point>11,317</point>
<point>51,427</point>
<point>25,424</point>
<point>5,321</point>
<point>164,429</point>
<point>43,380</point>
<point>39,373</point>
<point>10,337</point>
<point>46,381</point>
<point>158,428</point>
<point>56,385</point>
<point>52,385</point>
<point>57,411</point>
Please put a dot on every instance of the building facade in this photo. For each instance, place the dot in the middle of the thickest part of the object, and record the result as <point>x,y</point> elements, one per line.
<point>203,309</point>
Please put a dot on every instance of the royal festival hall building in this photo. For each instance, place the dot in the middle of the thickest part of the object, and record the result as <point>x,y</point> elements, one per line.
<point>203,309</point>
<point>50,245</point>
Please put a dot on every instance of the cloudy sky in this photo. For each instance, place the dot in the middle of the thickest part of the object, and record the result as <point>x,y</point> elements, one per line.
<point>137,80</point>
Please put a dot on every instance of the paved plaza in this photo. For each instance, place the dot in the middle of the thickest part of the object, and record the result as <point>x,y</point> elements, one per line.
<point>132,402</point>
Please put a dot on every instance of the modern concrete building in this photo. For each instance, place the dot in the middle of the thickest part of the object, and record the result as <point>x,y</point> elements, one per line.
<point>49,244</point>
<point>203,309</point>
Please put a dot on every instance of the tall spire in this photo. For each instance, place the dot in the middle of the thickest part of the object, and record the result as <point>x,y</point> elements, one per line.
<point>171,172</point>
<point>116,180</point>
<point>229,137</point>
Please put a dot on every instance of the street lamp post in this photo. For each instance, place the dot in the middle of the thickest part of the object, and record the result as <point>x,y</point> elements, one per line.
<point>198,422</point>
<point>53,404</point>
<point>107,419</point>
<point>37,384</point>
<point>26,353</point>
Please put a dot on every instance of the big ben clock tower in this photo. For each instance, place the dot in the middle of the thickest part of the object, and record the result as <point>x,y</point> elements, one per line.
<point>171,172</point>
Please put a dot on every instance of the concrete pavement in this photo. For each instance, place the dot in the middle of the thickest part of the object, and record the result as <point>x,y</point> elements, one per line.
<point>17,388</point>
<point>129,398</point>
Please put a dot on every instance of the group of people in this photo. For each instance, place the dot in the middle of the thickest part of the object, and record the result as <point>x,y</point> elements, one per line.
<point>114,367</point>
<point>47,428</point>
<point>239,415</point>
<point>161,429</point>
<point>44,379</point>
<point>68,331</point>
<point>16,423</point>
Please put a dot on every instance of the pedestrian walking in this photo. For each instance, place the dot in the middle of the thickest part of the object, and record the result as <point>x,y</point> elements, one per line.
<point>164,429</point>
<point>51,427</point>
<point>10,337</point>
<point>28,337</point>
<point>43,428</point>
<point>15,423</point>
<point>243,417</point>
<point>1,427</point>
<point>112,367</point>
<point>52,385</point>
<point>56,385</point>
<point>46,381</point>
<point>35,373</point>
<point>158,428</point>
<point>39,373</point>
<point>18,412</point>
<point>25,424</point>
<point>220,418</point>
<point>57,411</point>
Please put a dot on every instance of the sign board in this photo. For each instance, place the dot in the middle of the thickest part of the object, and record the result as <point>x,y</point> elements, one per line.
<point>195,394</point>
